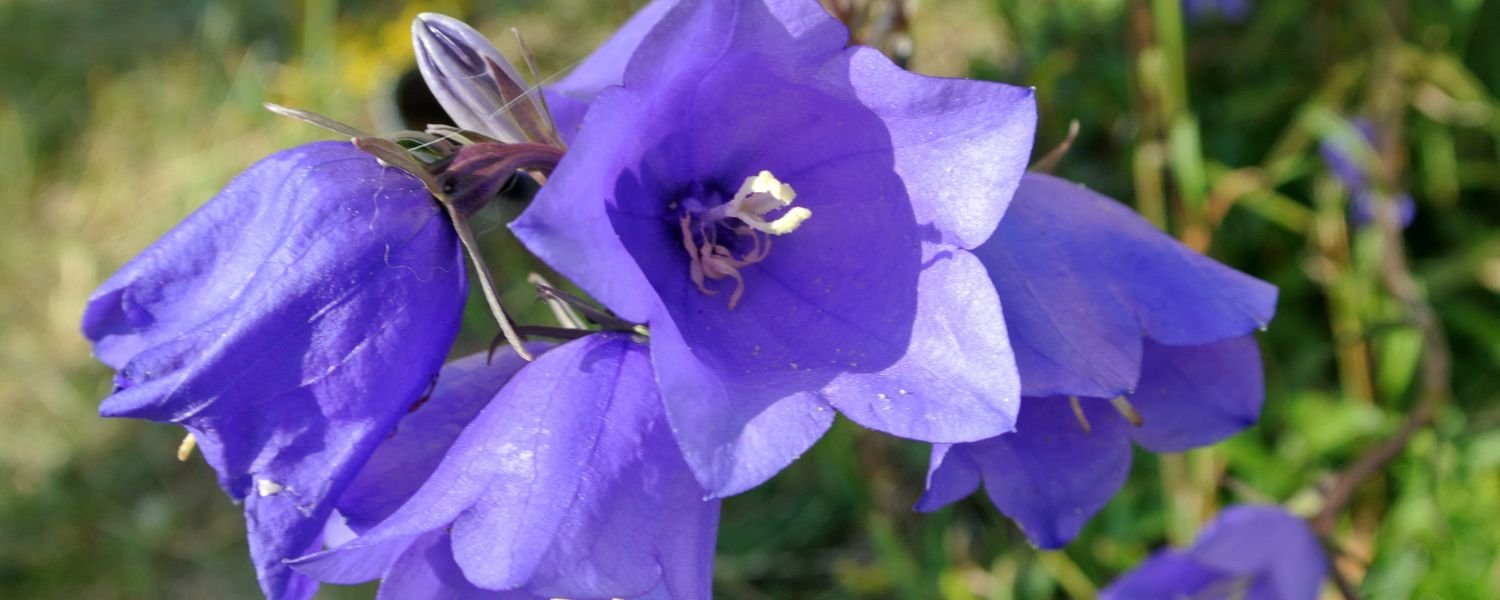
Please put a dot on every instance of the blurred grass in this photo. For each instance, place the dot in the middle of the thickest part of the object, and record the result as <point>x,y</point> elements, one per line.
<point>118,117</point>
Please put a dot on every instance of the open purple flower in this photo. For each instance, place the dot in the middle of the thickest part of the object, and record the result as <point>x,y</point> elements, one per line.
<point>1249,552</point>
<point>1120,334</point>
<point>567,483</point>
<point>791,218</point>
<point>287,324</point>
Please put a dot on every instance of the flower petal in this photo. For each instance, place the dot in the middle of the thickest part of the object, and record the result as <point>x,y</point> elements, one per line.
<point>571,96</point>
<point>288,324</point>
<point>403,462</point>
<point>951,477</point>
<point>960,145</point>
<point>1170,574</point>
<point>560,487</point>
<point>1050,475</point>
<point>1192,396</point>
<point>1247,552</point>
<point>956,382</point>
<point>1269,541</point>
<point>1083,277</point>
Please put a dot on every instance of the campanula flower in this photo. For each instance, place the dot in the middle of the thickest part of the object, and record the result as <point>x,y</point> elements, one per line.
<point>1120,333</point>
<point>1352,169</point>
<point>287,324</point>
<point>792,219</point>
<point>1247,552</point>
<point>567,483</point>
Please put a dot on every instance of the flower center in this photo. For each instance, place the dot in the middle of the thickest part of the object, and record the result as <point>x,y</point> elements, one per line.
<point>743,216</point>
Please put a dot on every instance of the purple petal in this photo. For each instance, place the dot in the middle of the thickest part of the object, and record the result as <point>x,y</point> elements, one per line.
<point>951,477</point>
<point>1265,540</point>
<point>956,382</point>
<point>1083,277</point>
<point>960,145</point>
<point>1341,160</point>
<point>1169,574</point>
<point>427,570</point>
<point>1050,475</point>
<point>1192,396</point>
<point>1248,551</point>
<point>568,484</point>
<point>571,96</point>
<point>413,451</point>
<point>288,324</point>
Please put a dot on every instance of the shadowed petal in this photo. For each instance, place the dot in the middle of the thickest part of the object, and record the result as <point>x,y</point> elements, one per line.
<point>1050,475</point>
<point>951,477</point>
<point>1083,278</point>
<point>1192,396</point>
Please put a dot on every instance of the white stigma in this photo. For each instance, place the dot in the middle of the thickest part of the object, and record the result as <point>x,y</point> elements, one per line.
<point>711,260</point>
<point>759,195</point>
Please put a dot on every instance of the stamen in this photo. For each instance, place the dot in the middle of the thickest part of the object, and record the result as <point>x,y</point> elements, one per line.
<point>1127,410</point>
<point>185,449</point>
<point>1083,420</point>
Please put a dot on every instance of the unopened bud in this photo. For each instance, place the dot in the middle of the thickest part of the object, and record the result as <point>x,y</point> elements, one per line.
<point>476,85</point>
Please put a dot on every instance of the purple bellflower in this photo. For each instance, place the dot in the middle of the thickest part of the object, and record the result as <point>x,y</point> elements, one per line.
<point>1120,333</point>
<point>1349,166</point>
<point>565,483</point>
<point>287,325</point>
<point>791,218</point>
<point>1248,553</point>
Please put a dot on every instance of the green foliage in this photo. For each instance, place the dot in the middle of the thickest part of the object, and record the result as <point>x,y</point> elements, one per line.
<point>144,109</point>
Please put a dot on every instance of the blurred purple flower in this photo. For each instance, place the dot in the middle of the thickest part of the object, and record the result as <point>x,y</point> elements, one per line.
<point>1249,552</point>
<point>867,301</point>
<point>1234,11</point>
<point>565,483</point>
<point>287,324</point>
<point>1357,178</point>
<point>1101,305</point>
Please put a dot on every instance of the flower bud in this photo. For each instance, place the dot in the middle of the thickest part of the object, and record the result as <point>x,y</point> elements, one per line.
<point>476,85</point>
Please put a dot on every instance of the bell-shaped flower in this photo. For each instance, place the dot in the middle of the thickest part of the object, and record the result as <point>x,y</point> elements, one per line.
<point>1247,552</point>
<point>287,325</point>
<point>1121,333</point>
<point>566,483</point>
<point>791,218</point>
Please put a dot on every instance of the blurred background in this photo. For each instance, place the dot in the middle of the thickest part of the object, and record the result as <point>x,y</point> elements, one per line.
<point>1222,121</point>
